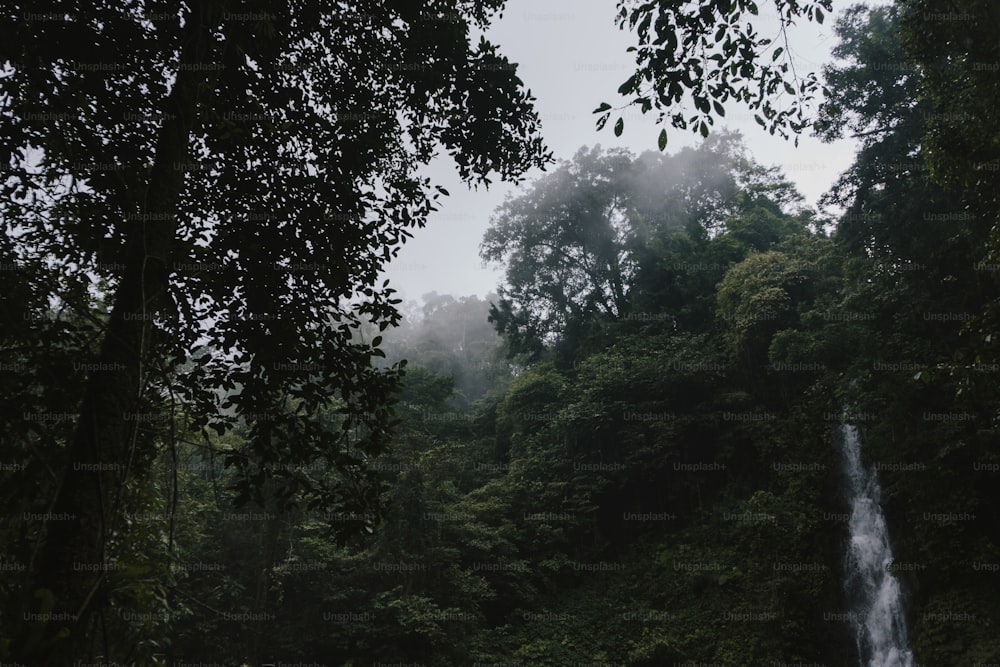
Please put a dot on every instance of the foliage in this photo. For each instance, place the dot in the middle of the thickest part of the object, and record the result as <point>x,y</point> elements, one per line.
<point>578,243</point>
<point>235,176</point>
<point>701,51</point>
<point>656,484</point>
<point>916,239</point>
<point>564,246</point>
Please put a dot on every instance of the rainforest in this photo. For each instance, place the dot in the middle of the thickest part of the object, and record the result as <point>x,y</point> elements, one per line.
<point>699,420</point>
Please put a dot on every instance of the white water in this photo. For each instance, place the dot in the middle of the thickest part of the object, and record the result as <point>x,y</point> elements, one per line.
<point>879,624</point>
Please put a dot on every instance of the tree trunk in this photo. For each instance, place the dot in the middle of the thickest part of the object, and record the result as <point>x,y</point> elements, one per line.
<point>104,452</point>
<point>270,532</point>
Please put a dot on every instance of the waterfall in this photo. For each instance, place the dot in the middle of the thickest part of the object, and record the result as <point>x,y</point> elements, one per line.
<point>877,613</point>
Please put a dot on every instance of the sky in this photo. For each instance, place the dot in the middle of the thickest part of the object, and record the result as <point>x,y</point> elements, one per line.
<point>572,57</point>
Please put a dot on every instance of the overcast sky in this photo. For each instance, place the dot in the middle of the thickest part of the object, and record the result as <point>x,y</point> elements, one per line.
<point>572,57</point>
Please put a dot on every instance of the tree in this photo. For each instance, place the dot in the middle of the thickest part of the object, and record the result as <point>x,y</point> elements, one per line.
<point>600,239</point>
<point>236,174</point>
<point>757,298</point>
<point>565,246</point>
<point>915,244</point>
<point>957,53</point>
<point>699,50</point>
<point>920,211</point>
<point>703,210</point>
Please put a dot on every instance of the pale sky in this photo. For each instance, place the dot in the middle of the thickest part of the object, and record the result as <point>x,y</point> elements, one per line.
<point>572,57</point>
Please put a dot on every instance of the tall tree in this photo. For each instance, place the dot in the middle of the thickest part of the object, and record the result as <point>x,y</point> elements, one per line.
<point>565,246</point>
<point>582,238</point>
<point>957,51</point>
<point>237,173</point>
<point>919,215</point>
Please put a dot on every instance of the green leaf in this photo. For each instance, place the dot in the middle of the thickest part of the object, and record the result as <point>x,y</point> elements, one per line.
<point>604,107</point>
<point>819,15</point>
<point>662,142</point>
<point>619,126</point>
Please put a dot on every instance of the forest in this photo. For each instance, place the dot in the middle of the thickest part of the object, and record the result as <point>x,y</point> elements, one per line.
<point>699,422</point>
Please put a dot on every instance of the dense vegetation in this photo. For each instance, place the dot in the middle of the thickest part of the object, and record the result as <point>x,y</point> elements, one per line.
<point>625,456</point>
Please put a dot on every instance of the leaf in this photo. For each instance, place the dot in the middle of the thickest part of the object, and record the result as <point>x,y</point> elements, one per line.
<point>662,142</point>
<point>819,15</point>
<point>604,107</point>
<point>619,126</point>
<point>629,85</point>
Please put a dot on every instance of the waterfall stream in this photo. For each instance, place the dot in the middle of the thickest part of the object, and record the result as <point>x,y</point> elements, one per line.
<point>877,609</point>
